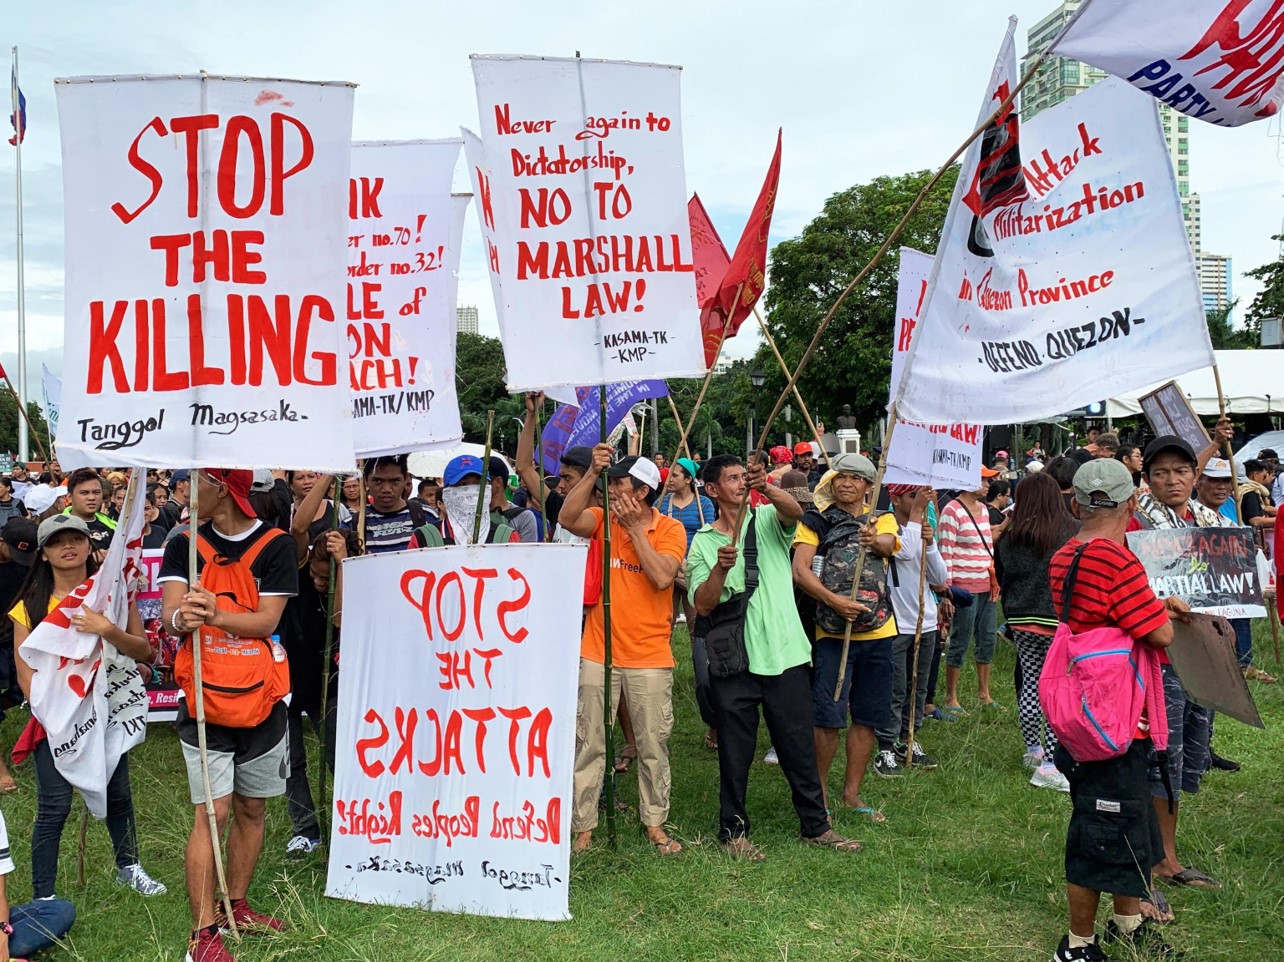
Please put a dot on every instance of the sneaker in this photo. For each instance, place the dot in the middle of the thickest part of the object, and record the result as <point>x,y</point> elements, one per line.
<point>1144,940</point>
<point>887,766</point>
<point>771,758</point>
<point>921,758</point>
<point>1088,953</point>
<point>137,879</point>
<point>301,846</point>
<point>207,946</point>
<point>1033,758</point>
<point>248,921</point>
<point>1047,776</point>
<point>1223,764</point>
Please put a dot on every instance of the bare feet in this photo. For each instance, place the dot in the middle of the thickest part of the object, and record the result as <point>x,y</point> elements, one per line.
<point>581,842</point>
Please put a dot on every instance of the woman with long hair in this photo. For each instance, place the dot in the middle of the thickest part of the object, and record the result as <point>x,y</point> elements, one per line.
<point>1040,524</point>
<point>64,561</point>
<point>312,509</point>
<point>352,496</point>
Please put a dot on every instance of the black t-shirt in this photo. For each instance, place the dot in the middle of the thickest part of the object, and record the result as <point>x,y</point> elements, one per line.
<point>1251,503</point>
<point>12,575</point>
<point>996,516</point>
<point>274,570</point>
<point>303,634</point>
<point>154,536</point>
<point>100,534</point>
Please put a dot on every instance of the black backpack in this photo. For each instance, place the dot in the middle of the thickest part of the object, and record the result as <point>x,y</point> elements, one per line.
<point>839,551</point>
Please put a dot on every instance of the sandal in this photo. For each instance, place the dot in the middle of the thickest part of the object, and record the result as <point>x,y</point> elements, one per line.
<point>992,705</point>
<point>624,761</point>
<point>831,839</point>
<point>873,814</point>
<point>1161,912</point>
<point>743,849</point>
<point>8,787</point>
<point>711,739</point>
<point>665,846</point>
<point>1191,877</point>
<point>958,711</point>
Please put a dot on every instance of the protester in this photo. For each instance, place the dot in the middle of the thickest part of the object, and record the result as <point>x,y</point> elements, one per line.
<point>86,492</point>
<point>805,461</point>
<point>64,560</point>
<point>1040,526</point>
<point>502,511</point>
<point>313,490</point>
<point>153,532</point>
<point>782,461</point>
<point>1129,455</point>
<point>1170,468</point>
<point>35,925</point>
<point>1113,839</point>
<point>910,674</point>
<point>1093,434</point>
<point>303,630</point>
<point>647,549</point>
<point>428,497</point>
<point>1107,446</point>
<point>44,501</point>
<point>771,671</point>
<point>10,505</point>
<point>180,489</point>
<point>390,520</point>
<point>1062,470</point>
<point>352,496</point>
<point>829,541</point>
<point>247,729</point>
<point>1255,496</point>
<point>997,499</point>
<point>461,515</point>
<point>21,479</point>
<point>17,552</point>
<point>965,543</point>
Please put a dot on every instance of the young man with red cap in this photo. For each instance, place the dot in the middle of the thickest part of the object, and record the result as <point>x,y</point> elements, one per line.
<point>247,765</point>
<point>805,461</point>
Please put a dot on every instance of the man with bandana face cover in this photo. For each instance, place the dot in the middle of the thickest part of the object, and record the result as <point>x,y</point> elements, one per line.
<point>462,480</point>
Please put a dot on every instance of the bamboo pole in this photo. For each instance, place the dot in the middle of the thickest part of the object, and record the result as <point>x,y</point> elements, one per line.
<point>708,376</point>
<point>682,434</point>
<point>918,637</point>
<point>802,405</point>
<point>1230,452</point>
<point>484,488</point>
<point>323,807</point>
<point>361,508</point>
<point>193,508</point>
<point>539,466</point>
<point>609,712</point>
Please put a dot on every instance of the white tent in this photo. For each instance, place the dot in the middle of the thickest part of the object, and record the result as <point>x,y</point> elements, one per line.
<point>1253,382</point>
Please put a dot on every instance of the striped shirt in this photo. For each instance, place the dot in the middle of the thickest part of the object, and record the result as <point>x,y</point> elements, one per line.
<point>690,517</point>
<point>965,544</point>
<point>1110,589</point>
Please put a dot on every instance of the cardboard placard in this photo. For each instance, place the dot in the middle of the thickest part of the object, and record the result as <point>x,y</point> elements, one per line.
<point>1214,570</point>
<point>1203,654</point>
<point>1168,412</point>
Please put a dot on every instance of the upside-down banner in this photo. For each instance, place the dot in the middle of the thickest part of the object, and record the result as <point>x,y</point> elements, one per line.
<point>453,773</point>
<point>206,221</point>
<point>403,275</point>
<point>582,201</point>
<point>1063,274</point>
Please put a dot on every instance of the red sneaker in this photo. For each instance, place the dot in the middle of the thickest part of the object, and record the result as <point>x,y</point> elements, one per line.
<point>207,946</point>
<point>248,921</point>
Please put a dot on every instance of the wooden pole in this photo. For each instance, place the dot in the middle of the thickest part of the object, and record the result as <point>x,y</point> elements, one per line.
<point>484,488</point>
<point>1274,618</point>
<point>193,508</point>
<point>1230,453</point>
<point>80,849</point>
<point>918,637</point>
<point>802,405</point>
<point>722,339</point>
<point>609,713</point>
<point>26,417</point>
<point>539,467</point>
<point>682,440</point>
<point>323,806</point>
<point>361,508</point>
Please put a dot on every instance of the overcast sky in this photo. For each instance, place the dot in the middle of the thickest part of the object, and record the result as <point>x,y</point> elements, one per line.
<point>860,89</point>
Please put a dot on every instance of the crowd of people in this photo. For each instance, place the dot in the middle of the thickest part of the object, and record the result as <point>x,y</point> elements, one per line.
<point>804,604</point>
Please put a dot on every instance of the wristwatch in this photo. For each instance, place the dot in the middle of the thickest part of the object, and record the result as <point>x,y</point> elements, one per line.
<point>6,928</point>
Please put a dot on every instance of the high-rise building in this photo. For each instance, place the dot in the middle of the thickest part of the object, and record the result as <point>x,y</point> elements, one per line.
<point>1059,78</point>
<point>466,320</point>
<point>1215,277</point>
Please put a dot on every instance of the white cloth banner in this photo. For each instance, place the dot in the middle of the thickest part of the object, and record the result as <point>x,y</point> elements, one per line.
<point>206,223</point>
<point>942,456</point>
<point>88,696</point>
<point>1063,281</point>
<point>1220,61</point>
<point>583,200</point>
<point>456,730</point>
<point>51,385</point>
<point>403,276</point>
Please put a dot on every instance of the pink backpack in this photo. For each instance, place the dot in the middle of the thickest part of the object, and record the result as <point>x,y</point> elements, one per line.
<point>1095,684</point>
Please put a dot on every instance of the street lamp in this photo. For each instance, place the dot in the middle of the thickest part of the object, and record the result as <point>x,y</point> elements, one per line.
<point>757,379</point>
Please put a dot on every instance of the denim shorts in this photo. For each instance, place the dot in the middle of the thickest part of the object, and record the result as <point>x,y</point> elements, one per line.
<point>867,685</point>
<point>976,621</point>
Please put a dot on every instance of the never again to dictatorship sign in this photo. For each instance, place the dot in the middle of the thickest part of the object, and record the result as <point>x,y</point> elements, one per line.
<point>582,199</point>
<point>206,220</point>
<point>456,730</point>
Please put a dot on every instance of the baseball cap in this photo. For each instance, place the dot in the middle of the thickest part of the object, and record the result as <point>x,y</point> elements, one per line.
<point>634,466</point>
<point>461,467</point>
<point>1103,483</point>
<point>803,447</point>
<point>856,464</point>
<point>20,535</point>
<point>1166,442</point>
<point>1000,454</point>
<point>498,468</point>
<point>580,456</point>
<point>57,524</point>
<point>1218,468</point>
<point>263,480</point>
<point>182,474</point>
<point>1034,467</point>
<point>40,498</point>
<point>238,487</point>
<point>988,472</point>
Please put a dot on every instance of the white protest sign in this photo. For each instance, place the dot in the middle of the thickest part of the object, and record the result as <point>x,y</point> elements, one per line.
<point>583,190</point>
<point>403,275</point>
<point>1063,275</point>
<point>1221,61</point>
<point>51,387</point>
<point>88,696</point>
<point>944,456</point>
<point>206,222</point>
<point>453,772</point>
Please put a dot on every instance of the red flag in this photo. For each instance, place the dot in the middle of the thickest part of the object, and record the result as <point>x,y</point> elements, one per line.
<point>748,271</point>
<point>711,262</point>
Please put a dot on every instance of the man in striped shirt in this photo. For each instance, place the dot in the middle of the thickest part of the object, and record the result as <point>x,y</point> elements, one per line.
<point>963,537</point>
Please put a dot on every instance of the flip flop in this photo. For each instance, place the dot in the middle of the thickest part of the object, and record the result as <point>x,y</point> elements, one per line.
<point>958,711</point>
<point>743,849</point>
<point>992,705</point>
<point>1193,878</point>
<point>873,814</point>
<point>831,839</point>
<point>624,761</point>
<point>1163,911</point>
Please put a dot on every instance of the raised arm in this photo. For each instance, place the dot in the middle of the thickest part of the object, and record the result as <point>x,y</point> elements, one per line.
<point>575,515</point>
<point>306,513</point>
<point>530,474</point>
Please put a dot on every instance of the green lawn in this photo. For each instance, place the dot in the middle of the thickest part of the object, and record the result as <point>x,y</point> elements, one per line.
<point>968,866</point>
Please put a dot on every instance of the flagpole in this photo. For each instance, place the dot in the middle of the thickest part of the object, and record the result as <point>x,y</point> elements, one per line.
<point>23,434</point>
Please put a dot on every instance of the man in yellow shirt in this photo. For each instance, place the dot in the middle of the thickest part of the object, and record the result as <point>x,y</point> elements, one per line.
<point>826,547</point>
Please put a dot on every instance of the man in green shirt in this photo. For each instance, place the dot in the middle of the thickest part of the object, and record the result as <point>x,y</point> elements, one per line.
<point>779,654</point>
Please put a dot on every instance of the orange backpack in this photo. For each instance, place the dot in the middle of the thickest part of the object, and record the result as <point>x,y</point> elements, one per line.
<point>242,678</point>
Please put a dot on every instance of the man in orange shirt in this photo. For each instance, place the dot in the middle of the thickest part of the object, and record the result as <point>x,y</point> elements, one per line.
<point>647,550</point>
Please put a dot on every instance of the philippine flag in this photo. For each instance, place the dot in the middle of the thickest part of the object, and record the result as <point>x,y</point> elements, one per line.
<point>19,116</point>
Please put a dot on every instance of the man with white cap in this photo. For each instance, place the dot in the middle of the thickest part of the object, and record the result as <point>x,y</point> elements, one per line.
<point>647,549</point>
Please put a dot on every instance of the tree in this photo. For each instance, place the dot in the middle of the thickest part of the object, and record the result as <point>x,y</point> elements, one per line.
<point>852,365</point>
<point>1269,301</point>
<point>479,376</point>
<point>1225,336</point>
<point>9,425</point>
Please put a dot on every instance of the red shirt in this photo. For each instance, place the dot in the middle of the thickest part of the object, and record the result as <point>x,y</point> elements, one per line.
<point>1110,588</point>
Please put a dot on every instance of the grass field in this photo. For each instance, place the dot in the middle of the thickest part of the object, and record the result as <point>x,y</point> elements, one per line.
<point>968,866</point>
